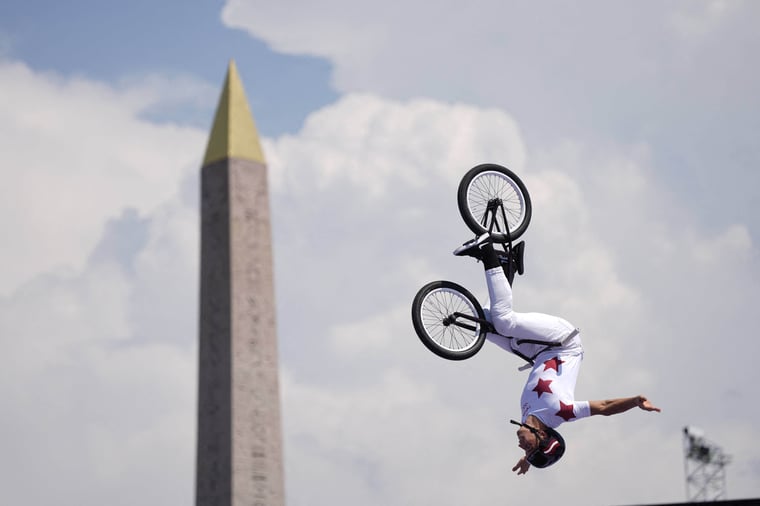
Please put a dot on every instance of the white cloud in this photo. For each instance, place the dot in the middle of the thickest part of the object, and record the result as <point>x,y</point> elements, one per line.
<point>672,75</point>
<point>497,47</point>
<point>99,392</point>
<point>364,208</point>
<point>98,365</point>
<point>75,153</point>
<point>437,139</point>
<point>610,248</point>
<point>696,19</point>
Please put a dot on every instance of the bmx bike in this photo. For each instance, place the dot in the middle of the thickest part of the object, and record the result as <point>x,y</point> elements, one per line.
<point>447,318</point>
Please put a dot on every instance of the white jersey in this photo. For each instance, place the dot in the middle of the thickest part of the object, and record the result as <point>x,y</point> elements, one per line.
<point>549,393</point>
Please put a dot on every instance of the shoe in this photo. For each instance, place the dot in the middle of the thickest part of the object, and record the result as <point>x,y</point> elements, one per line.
<point>519,255</point>
<point>472,247</point>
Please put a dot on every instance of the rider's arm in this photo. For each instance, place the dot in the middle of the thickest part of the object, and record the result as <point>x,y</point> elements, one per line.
<point>615,406</point>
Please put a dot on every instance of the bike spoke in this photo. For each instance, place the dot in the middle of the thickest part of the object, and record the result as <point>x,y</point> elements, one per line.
<point>438,306</point>
<point>493,185</point>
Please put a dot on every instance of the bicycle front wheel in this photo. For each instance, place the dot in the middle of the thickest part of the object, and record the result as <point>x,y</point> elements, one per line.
<point>448,320</point>
<point>491,198</point>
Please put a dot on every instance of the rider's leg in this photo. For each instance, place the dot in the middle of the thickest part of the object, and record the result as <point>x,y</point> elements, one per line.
<point>506,321</point>
<point>500,312</point>
<point>499,291</point>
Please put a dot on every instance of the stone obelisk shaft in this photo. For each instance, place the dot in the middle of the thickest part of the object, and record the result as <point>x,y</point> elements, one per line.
<point>239,452</point>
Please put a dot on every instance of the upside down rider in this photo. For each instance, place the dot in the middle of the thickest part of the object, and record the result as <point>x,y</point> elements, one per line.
<point>554,346</point>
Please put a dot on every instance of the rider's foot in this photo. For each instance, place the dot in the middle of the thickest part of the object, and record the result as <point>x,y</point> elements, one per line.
<point>472,247</point>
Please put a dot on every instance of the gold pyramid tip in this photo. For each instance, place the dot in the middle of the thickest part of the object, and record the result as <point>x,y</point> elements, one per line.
<point>234,133</point>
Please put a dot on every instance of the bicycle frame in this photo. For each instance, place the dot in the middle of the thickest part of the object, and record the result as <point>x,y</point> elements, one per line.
<point>491,208</point>
<point>489,328</point>
<point>512,262</point>
<point>513,254</point>
<point>491,199</point>
<point>452,320</point>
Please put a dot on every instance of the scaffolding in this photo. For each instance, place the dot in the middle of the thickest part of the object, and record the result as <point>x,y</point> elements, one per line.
<point>705,467</point>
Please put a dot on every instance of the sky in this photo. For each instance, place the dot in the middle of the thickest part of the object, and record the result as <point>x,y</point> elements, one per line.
<point>633,124</point>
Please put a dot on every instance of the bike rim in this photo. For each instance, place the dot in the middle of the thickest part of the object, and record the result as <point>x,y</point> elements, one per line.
<point>438,305</point>
<point>490,185</point>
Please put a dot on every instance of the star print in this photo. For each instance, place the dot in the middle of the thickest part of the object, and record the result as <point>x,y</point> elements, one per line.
<point>543,387</point>
<point>565,411</point>
<point>553,363</point>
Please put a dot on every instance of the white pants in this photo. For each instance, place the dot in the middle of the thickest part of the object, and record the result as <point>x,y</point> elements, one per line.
<point>517,326</point>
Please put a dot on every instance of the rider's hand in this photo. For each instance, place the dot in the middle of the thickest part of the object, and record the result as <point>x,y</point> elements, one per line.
<point>646,405</point>
<point>522,466</point>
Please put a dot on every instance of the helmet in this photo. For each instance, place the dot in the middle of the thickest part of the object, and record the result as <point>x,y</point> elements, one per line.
<point>550,448</point>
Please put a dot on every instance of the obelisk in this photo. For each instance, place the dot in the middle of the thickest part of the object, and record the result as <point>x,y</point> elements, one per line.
<point>239,447</point>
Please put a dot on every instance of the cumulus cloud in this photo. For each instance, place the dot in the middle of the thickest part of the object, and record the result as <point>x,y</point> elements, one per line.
<point>75,153</point>
<point>610,248</point>
<point>364,210</point>
<point>494,49</point>
<point>673,76</point>
<point>100,263</point>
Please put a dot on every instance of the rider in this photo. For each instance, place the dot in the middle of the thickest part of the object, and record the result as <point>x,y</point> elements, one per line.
<point>554,346</point>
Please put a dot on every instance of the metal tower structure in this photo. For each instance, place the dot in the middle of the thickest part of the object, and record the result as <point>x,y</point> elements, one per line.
<point>239,449</point>
<point>704,466</point>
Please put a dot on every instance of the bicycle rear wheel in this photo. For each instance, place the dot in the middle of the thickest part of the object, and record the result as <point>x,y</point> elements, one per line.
<point>445,316</point>
<point>492,198</point>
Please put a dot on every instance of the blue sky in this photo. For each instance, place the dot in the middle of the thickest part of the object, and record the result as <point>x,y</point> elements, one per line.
<point>117,42</point>
<point>634,126</point>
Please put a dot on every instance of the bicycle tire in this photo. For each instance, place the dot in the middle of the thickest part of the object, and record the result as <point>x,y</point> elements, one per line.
<point>489,181</point>
<point>438,300</point>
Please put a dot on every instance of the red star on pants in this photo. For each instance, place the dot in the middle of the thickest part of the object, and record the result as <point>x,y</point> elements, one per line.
<point>543,387</point>
<point>565,411</point>
<point>553,363</point>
